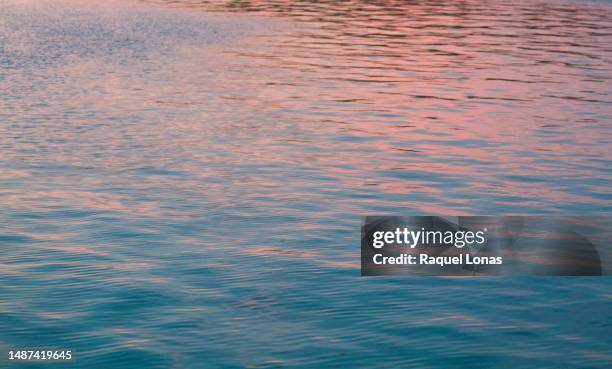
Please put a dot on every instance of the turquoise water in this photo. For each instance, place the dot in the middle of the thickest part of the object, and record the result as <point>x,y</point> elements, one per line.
<point>182,182</point>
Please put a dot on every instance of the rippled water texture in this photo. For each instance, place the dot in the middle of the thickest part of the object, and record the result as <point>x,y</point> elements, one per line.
<point>181,183</point>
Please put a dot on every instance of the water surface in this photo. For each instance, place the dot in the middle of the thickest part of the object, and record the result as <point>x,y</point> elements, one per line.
<point>182,181</point>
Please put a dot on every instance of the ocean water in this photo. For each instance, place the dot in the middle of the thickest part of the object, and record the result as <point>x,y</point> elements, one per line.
<point>182,182</point>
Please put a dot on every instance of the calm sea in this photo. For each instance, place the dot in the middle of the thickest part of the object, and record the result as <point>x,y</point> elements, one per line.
<point>182,182</point>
